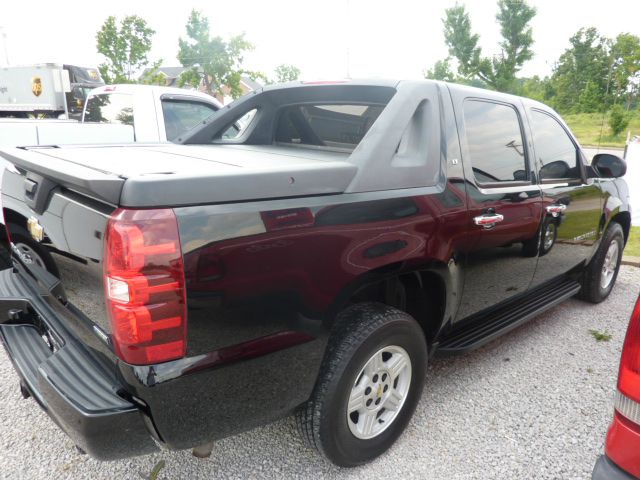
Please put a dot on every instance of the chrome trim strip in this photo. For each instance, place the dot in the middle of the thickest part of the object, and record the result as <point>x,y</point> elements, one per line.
<point>627,408</point>
<point>517,189</point>
<point>545,186</point>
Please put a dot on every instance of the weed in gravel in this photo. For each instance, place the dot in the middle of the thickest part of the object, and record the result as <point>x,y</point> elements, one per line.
<point>155,471</point>
<point>600,336</point>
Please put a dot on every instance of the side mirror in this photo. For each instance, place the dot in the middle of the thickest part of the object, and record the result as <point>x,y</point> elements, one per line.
<point>608,166</point>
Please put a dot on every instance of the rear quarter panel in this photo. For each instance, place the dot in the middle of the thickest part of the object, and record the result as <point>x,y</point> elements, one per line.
<point>265,281</point>
<point>261,268</point>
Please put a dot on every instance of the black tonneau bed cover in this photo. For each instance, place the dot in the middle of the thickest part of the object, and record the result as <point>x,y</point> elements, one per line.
<point>147,175</point>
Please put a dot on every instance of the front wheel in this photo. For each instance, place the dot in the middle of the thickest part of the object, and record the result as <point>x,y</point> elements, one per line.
<point>370,382</point>
<point>600,275</point>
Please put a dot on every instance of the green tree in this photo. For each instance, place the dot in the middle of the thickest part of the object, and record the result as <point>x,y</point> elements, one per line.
<point>441,70</point>
<point>153,76</point>
<point>591,98</point>
<point>625,74</point>
<point>535,87</point>
<point>462,44</point>
<point>214,62</point>
<point>580,77</point>
<point>125,48</point>
<point>500,71</point>
<point>286,73</point>
<point>618,119</point>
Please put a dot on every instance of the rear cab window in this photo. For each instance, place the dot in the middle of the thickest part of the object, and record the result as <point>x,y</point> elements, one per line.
<point>181,115</point>
<point>110,108</point>
<point>338,127</point>
<point>495,143</point>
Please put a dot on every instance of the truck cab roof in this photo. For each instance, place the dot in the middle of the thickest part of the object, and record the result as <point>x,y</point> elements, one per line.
<point>155,90</point>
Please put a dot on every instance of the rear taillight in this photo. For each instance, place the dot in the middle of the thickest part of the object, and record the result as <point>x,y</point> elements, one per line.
<point>629,377</point>
<point>144,286</point>
<point>623,437</point>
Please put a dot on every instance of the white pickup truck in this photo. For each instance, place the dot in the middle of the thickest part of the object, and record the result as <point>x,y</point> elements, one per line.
<point>157,114</point>
<point>116,114</point>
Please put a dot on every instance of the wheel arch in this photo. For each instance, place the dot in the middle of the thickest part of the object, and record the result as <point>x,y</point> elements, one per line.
<point>426,292</point>
<point>11,216</point>
<point>624,219</point>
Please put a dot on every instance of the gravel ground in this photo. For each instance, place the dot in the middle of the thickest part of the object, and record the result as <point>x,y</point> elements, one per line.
<point>534,404</point>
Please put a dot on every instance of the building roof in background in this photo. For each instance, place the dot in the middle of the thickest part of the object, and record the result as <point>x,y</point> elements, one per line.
<point>252,84</point>
<point>170,72</point>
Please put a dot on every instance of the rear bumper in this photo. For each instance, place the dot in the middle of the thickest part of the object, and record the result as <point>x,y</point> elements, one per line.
<point>605,469</point>
<point>112,409</point>
<point>75,389</point>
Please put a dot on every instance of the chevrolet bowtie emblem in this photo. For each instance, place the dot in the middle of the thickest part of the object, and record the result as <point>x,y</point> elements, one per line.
<point>35,229</point>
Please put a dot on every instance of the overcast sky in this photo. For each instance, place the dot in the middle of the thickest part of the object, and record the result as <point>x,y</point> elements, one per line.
<point>394,39</point>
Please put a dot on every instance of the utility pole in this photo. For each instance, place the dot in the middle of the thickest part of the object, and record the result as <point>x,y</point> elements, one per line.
<point>348,39</point>
<point>4,43</point>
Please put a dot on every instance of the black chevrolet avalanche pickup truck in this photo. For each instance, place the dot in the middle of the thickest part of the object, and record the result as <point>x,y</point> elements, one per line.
<point>306,250</point>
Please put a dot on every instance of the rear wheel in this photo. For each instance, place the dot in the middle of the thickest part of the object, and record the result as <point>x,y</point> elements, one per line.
<point>369,385</point>
<point>549,236</point>
<point>600,275</point>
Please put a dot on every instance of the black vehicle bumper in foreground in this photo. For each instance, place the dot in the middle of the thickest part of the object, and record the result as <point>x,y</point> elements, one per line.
<point>70,384</point>
<point>605,469</point>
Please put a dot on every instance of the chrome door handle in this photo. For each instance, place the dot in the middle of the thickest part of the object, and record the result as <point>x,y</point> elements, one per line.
<point>556,210</point>
<point>488,220</point>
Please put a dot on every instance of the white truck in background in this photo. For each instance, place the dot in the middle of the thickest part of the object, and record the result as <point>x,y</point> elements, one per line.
<point>157,114</point>
<point>115,114</point>
<point>29,132</point>
<point>55,91</point>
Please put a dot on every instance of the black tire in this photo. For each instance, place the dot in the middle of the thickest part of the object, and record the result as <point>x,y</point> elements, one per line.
<point>549,228</point>
<point>19,235</point>
<point>531,247</point>
<point>592,289</point>
<point>360,332</point>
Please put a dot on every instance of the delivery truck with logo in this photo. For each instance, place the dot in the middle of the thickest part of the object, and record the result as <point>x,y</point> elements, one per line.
<point>47,90</point>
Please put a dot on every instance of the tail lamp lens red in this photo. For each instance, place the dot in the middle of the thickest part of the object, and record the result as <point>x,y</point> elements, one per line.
<point>629,377</point>
<point>144,285</point>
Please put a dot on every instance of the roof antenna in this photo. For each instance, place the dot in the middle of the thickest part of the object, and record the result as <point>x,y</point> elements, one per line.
<point>606,94</point>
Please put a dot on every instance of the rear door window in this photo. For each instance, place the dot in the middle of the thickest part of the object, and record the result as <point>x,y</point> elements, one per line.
<point>180,116</point>
<point>556,154</point>
<point>110,108</point>
<point>494,142</point>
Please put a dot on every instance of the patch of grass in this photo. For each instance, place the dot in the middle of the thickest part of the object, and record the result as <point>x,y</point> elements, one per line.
<point>600,336</point>
<point>587,127</point>
<point>155,471</point>
<point>633,244</point>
